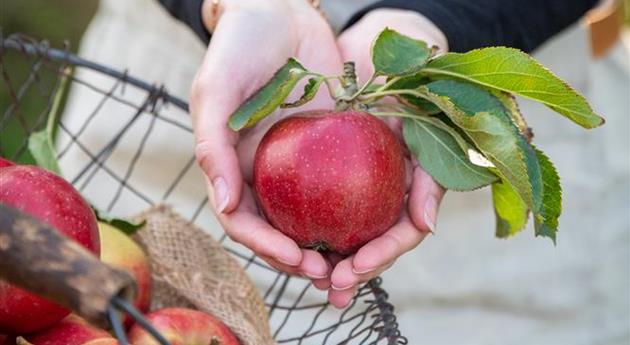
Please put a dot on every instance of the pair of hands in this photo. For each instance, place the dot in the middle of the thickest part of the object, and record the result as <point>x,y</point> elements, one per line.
<point>250,41</point>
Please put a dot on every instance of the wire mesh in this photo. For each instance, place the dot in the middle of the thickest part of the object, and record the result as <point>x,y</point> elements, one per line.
<point>117,143</point>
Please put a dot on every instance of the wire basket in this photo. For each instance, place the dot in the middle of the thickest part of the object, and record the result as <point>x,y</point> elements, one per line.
<point>123,157</point>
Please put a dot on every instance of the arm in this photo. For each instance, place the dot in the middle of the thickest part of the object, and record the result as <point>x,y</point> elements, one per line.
<point>523,24</point>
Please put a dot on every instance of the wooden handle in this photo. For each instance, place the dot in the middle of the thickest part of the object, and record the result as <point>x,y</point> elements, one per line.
<point>37,258</point>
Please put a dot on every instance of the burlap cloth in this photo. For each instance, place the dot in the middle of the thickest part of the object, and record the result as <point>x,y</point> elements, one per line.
<point>191,269</point>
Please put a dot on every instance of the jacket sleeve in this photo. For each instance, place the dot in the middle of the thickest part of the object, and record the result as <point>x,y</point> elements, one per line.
<point>470,24</point>
<point>189,12</point>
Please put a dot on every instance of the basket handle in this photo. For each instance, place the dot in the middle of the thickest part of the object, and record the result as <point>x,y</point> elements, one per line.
<point>38,258</point>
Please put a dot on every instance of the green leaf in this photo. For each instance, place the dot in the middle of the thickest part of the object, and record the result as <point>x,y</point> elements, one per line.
<point>269,97</point>
<point>372,88</point>
<point>41,144</point>
<point>394,54</point>
<point>310,90</point>
<point>511,70</point>
<point>509,103</point>
<point>410,83</point>
<point>486,122</point>
<point>546,223</point>
<point>510,210</point>
<point>439,152</point>
<point>126,226</point>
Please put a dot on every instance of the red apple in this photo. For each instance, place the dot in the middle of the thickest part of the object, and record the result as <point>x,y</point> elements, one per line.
<point>5,163</point>
<point>54,201</point>
<point>119,250</point>
<point>330,180</point>
<point>72,330</point>
<point>182,326</point>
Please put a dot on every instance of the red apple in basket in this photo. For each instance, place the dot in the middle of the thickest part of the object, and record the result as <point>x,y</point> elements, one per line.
<point>54,201</point>
<point>182,326</point>
<point>72,330</point>
<point>5,163</point>
<point>330,180</point>
<point>119,250</point>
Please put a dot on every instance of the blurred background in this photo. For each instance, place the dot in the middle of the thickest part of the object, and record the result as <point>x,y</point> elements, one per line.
<point>61,22</point>
<point>463,286</point>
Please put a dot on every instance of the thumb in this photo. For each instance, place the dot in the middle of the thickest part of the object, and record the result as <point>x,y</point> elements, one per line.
<point>210,107</point>
<point>424,200</point>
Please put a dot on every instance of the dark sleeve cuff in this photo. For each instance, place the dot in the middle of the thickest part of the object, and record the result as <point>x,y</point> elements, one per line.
<point>188,12</point>
<point>471,24</point>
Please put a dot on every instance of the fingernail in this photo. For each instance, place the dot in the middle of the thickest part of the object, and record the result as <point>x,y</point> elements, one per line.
<point>315,276</point>
<point>287,262</point>
<point>363,271</point>
<point>221,194</point>
<point>341,288</point>
<point>430,213</point>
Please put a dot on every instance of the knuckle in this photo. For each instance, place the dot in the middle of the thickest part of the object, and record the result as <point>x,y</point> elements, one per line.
<point>203,153</point>
<point>393,241</point>
<point>233,237</point>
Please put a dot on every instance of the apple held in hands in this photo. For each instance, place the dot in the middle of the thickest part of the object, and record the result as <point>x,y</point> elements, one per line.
<point>54,201</point>
<point>182,326</point>
<point>330,180</point>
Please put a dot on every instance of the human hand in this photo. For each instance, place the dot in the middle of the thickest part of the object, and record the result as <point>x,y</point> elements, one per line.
<point>424,194</point>
<point>251,40</point>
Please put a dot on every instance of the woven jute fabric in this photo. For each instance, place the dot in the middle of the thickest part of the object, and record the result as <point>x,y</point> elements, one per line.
<point>191,269</point>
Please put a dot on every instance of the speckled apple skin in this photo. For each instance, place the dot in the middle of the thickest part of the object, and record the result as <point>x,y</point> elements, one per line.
<point>51,199</point>
<point>182,326</point>
<point>331,180</point>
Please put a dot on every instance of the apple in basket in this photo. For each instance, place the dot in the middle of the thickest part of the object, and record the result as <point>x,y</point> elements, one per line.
<point>72,330</point>
<point>182,326</point>
<point>48,197</point>
<point>330,180</point>
<point>119,250</point>
<point>5,163</point>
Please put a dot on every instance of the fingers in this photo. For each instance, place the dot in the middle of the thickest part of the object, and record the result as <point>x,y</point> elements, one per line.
<point>341,299</point>
<point>376,255</point>
<point>245,226</point>
<point>226,77</point>
<point>313,266</point>
<point>210,107</point>
<point>424,200</point>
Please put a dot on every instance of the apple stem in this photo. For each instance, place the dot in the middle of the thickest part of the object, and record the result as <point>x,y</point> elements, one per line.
<point>349,79</point>
<point>349,84</point>
<point>319,246</point>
